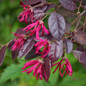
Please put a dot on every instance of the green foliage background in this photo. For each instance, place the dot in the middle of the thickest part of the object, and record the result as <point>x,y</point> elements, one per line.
<point>10,71</point>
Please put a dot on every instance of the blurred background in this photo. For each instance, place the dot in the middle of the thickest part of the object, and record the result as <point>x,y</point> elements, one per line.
<point>10,71</point>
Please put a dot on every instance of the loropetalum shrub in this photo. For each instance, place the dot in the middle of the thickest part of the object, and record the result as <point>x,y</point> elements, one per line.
<point>45,46</point>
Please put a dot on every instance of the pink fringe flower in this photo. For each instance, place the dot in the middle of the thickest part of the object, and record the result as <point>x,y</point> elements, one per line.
<point>28,12</point>
<point>42,44</point>
<point>38,25</point>
<point>36,67</point>
<point>61,64</point>
<point>19,41</point>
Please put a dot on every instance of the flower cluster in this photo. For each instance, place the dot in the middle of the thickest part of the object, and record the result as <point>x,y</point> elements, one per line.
<point>64,62</point>
<point>36,31</point>
<point>37,67</point>
<point>38,25</point>
<point>42,44</point>
<point>47,45</point>
<point>27,12</point>
<point>19,41</point>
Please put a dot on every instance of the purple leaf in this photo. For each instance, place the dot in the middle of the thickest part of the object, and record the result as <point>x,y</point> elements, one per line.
<point>31,54</point>
<point>56,51</point>
<point>20,31</point>
<point>56,25</point>
<point>38,13</point>
<point>68,45</point>
<point>2,54</point>
<point>11,44</point>
<point>80,48</point>
<point>77,54</point>
<point>28,45</point>
<point>79,37</point>
<point>41,8</point>
<point>82,58</point>
<point>50,6</point>
<point>46,68</point>
<point>15,53</point>
<point>68,4</point>
<point>31,2</point>
<point>48,37</point>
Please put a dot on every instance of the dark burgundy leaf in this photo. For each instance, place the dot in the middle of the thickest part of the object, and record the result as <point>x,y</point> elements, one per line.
<point>56,51</point>
<point>46,68</point>
<point>77,54</point>
<point>38,14</point>
<point>20,31</point>
<point>41,8</point>
<point>15,53</point>
<point>28,45</point>
<point>82,58</point>
<point>48,37</point>
<point>11,44</point>
<point>2,54</point>
<point>31,2</point>
<point>79,37</point>
<point>68,4</point>
<point>68,45</point>
<point>44,7</point>
<point>80,48</point>
<point>31,54</point>
<point>39,11</point>
<point>50,6</point>
<point>56,25</point>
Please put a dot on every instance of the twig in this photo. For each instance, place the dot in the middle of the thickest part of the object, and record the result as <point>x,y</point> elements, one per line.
<point>78,17</point>
<point>44,3</point>
<point>78,12</point>
<point>39,5</point>
<point>58,7</point>
<point>45,17</point>
<point>79,20</point>
<point>83,25</point>
<point>53,2</point>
